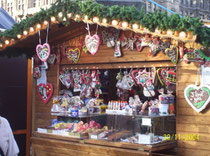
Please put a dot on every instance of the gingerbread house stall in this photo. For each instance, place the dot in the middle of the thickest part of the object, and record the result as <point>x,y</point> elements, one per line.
<point>113,80</point>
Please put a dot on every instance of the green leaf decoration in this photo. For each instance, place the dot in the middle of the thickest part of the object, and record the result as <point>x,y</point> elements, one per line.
<point>123,13</point>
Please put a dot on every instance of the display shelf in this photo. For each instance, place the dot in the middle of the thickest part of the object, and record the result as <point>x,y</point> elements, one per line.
<point>79,116</point>
<point>95,115</point>
<point>154,116</point>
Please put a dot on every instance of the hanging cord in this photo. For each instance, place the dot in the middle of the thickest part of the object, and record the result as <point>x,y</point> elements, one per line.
<point>40,41</point>
<point>47,33</point>
<point>96,29</point>
<point>198,73</point>
<point>88,28</point>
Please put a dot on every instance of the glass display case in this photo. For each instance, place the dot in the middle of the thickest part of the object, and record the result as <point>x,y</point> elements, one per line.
<point>120,105</point>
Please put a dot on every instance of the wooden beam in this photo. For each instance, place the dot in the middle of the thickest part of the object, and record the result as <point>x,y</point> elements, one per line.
<point>119,65</point>
<point>23,131</point>
<point>28,124</point>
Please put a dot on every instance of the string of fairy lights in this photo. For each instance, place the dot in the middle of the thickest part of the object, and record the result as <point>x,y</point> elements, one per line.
<point>104,22</point>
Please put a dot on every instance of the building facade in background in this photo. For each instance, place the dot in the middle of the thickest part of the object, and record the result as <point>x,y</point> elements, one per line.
<point>19,9</point>
<point>192,8</point>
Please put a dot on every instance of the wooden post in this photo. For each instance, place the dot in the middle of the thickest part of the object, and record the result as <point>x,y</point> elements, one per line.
<point>28,124</point>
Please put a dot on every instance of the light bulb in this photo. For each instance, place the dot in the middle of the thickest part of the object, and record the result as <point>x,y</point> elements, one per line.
<point>1,45</point>
<point>38,26</point>
<point>157,31</point>
<point>86,18</point>
<point>60,14</point>
<point>95,19</point>
<point>69,15</point>
<point>124,24</point>
<point>104,20</point>
<point>135,26</point>
<point>45,22</point>
<point>169,32</point>
<point>18,36</point>
<point>31,29</point>
<point>114,22</point>
<point>7,42</point>
<point>25,32</point>
<point>53,19</point>
<point>77,16</point>
<point>182,34</point>
<point>64,19</point>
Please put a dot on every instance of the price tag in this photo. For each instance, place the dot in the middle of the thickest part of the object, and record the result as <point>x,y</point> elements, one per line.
<point>146,122</point>
<point>93,136</point>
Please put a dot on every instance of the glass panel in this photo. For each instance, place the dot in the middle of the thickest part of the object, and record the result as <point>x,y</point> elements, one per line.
<point>119,105</point>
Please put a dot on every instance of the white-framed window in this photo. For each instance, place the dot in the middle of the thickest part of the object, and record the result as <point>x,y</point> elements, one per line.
<point>201,3</point>
<point>9,6</point>
<point>36,3</point>
<point>20,4</point>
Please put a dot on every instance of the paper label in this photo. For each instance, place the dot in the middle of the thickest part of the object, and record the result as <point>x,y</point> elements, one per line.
<point>146,122</point>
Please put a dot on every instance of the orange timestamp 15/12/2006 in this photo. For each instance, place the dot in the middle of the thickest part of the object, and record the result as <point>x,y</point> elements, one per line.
<point>187,137</point>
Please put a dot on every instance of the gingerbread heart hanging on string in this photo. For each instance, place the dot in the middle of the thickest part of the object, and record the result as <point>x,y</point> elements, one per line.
<point>65,78</point>
<point>173,54</point>
<point>51,59</point>
<point>92,42</point>
<point>193,56</point>
<point>43,51</point>
<point>72,54</point>
<point>198,97</point>
<point>86,79</point>
<point>164,45</point>
<point>45,91</point>
<point>154,47</point>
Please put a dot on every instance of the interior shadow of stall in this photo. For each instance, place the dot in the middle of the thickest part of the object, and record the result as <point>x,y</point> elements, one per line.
<point>13,96</point>
<point>132,112</point>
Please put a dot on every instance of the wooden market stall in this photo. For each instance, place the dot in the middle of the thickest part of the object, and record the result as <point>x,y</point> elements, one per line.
<point>65,39</point>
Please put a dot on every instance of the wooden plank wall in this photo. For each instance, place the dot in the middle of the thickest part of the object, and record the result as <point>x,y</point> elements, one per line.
<point>41,116</point>
<point>188,120</point>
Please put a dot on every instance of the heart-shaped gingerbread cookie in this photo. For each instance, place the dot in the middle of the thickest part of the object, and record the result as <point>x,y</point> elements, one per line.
<point>87,78</point>
<point>92,43</point>
<point>45,91</point>
<point>173,54</point>
<point>73,54</point>
<point>43,51</point>
<point>197,97</point>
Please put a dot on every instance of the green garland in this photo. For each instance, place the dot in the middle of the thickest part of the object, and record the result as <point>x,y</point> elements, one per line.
<point>125,13</point>
<point>203,55</point>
